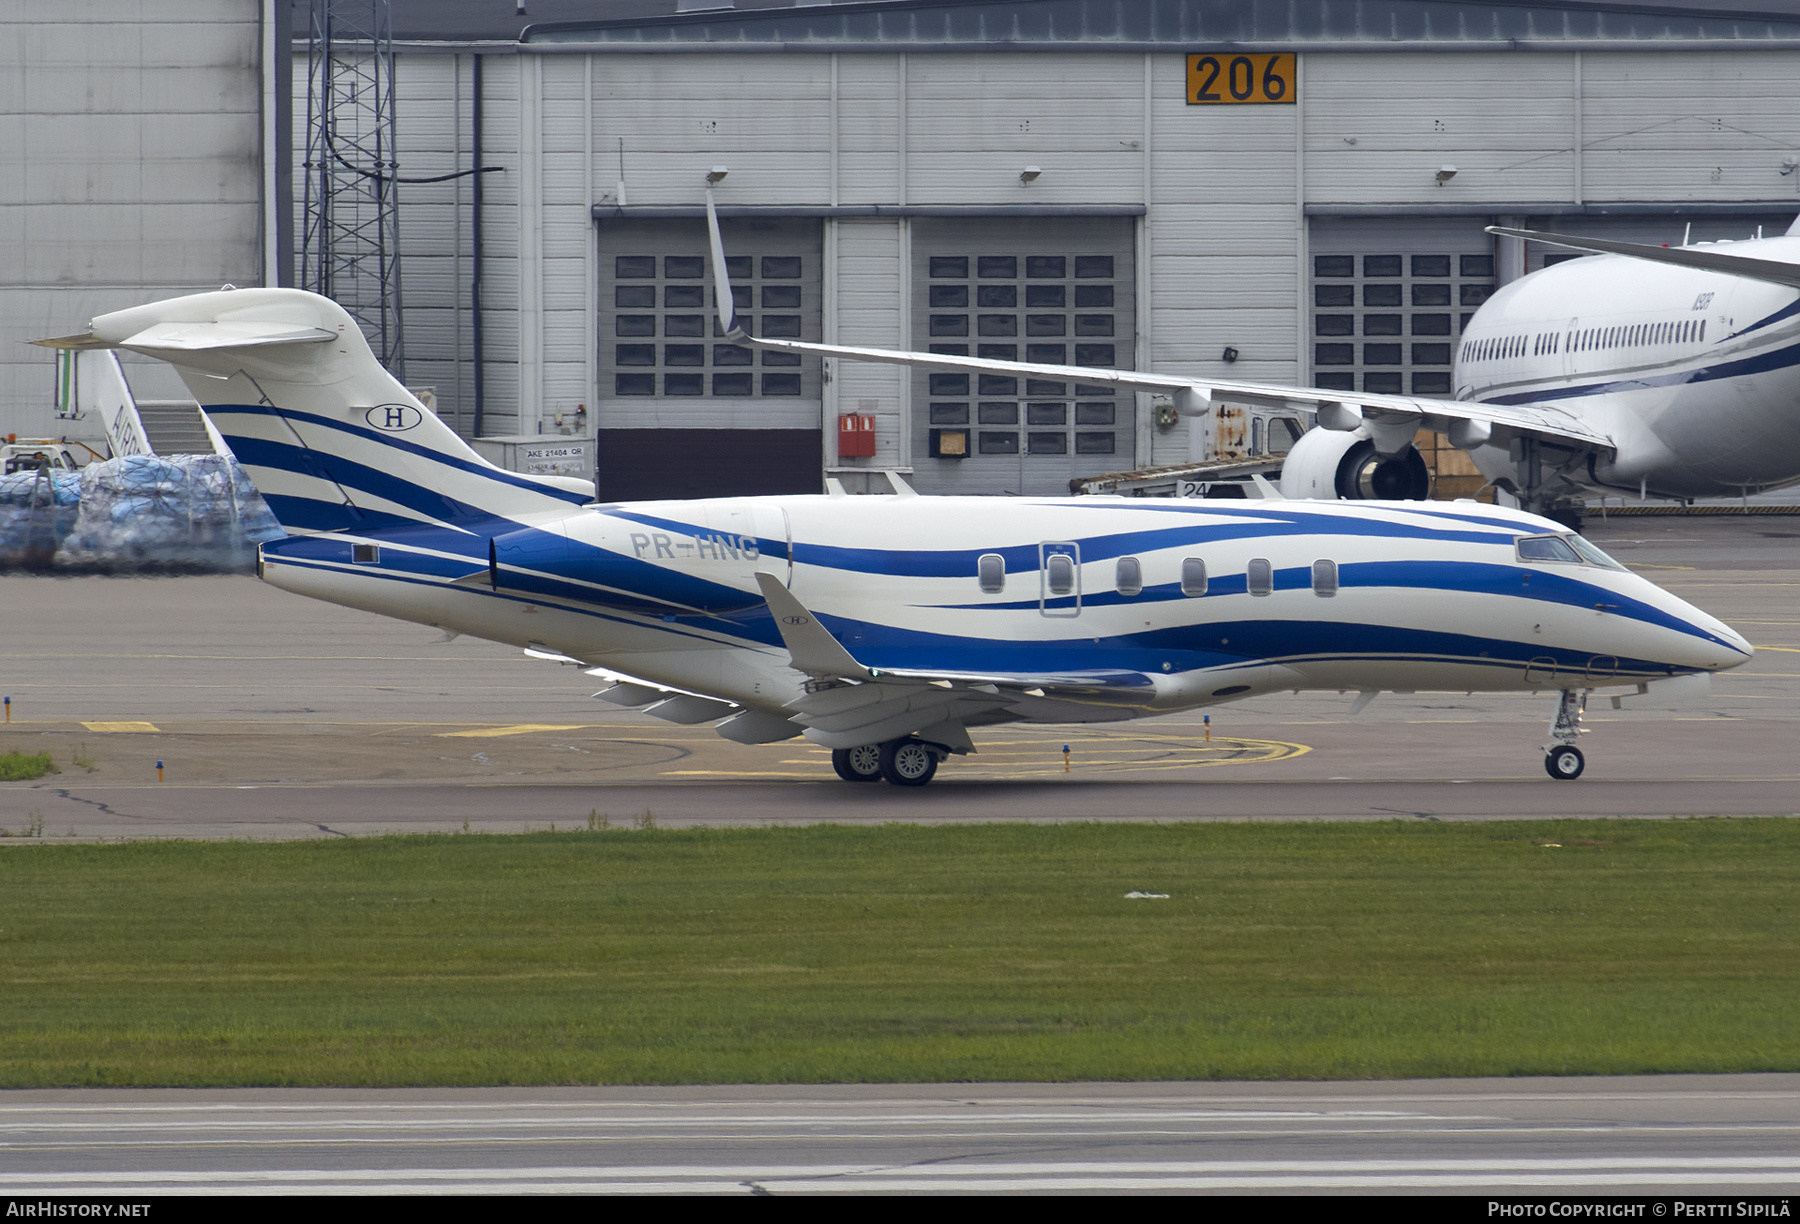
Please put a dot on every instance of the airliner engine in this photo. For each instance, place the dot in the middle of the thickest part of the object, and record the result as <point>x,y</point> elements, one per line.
<point>1328,463</point>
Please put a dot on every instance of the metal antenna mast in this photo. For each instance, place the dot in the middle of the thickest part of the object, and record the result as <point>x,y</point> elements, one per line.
<point>350,239</point>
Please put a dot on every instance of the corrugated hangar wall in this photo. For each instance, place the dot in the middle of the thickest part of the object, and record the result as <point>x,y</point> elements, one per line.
<point>130,170</point>
<point>1220,255</point>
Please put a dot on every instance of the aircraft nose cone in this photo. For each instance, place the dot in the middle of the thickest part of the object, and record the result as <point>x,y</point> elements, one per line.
<point>1717,647</point>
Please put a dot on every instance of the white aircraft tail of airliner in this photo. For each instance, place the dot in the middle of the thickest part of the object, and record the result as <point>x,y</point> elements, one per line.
<point>886,628</point>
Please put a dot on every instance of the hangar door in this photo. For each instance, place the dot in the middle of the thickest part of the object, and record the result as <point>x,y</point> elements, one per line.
<point>1058,290</point>
<point>1390,297</point>
<point>683,412</point>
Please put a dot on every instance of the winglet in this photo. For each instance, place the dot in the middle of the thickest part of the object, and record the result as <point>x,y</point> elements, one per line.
<point>810,645</point>
<point>723,301</point>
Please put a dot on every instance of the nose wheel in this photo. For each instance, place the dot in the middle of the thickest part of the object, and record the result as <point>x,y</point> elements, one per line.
<point>1564,763</point>
<point>1562,759</point>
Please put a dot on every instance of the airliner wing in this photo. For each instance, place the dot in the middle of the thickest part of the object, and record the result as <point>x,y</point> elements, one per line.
<point>1772,271</point>
<point>1391,420</point>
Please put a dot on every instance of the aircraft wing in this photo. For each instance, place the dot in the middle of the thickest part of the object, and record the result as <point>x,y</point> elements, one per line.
<point>848,703</point>
<point>1772,271</point>
<point>1391,420</point>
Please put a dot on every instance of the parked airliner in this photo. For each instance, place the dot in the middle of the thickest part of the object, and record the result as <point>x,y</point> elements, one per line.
<point>886,627</point>
<point>1652,370</point>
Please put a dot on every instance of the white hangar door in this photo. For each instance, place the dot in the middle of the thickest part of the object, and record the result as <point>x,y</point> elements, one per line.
<point>1390,297</point>
<point>1059,290</point>
<point>682,412</point>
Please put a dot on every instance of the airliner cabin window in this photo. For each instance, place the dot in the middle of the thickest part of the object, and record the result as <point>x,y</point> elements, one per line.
<point>1128,576</point>
<point>990,569</point>
<point>1259,575</point>
<point>1059,572</point>
<point>1193,576</point>
<point>1324,577</point>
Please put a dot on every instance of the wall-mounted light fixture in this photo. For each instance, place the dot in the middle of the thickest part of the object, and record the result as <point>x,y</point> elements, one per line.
<point>716,175</point>
<point>1029,175</point>
<point>1229,355</point>
<point>1445,174</point>
<point>1789,164</point>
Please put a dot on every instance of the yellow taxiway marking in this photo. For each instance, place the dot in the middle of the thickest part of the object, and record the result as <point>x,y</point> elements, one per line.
<point>521,729</point>
<point>1783,649</point>
<point>119,726</point>
<point>733,773</point>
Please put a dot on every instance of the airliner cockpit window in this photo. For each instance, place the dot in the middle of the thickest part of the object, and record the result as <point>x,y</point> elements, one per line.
<point>1592,554</point>
<point>1546,548</point>
<point>1566,548</point>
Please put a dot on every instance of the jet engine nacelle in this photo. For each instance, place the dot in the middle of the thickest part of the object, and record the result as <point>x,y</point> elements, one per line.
<point>1327,463</point>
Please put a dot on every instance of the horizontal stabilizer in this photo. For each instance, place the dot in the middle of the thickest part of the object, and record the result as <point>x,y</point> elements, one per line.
<point>1769,271</point>
<point>86,340</point>
<point>196,337</point>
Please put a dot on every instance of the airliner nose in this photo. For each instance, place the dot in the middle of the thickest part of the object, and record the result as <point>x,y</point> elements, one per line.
<point>1714,646</point>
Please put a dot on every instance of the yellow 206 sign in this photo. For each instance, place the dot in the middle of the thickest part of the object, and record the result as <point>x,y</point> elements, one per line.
<point>1223,79</point>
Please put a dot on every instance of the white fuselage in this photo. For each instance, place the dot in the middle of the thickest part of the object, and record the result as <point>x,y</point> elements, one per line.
<point>1422,597</point>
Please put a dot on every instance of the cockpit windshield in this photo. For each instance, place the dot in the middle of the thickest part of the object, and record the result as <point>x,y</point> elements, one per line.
<point>1570,549</point>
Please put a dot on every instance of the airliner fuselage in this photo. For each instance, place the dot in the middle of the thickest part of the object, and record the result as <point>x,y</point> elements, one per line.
<point>1694,374</point>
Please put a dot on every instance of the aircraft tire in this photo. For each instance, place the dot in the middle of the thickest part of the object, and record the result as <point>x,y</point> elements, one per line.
<point>908,762</point>
<point>1564,763</point>
<point>859,764</point>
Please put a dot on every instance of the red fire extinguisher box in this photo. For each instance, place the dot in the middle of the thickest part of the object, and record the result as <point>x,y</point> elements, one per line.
<point>856,436</point>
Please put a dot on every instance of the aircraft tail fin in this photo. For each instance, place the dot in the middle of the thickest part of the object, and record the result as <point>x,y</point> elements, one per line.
<point>331,439</point>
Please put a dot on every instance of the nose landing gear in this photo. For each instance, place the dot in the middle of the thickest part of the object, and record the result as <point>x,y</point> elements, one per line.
<point>1562,759</point>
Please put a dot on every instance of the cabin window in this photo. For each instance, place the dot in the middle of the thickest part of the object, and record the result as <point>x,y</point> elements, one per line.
<point>1060,573</point>
<point>365,554</point>
<point>1128,576</point>
<point>1259,576</point>
<point>1193,577</point>
<point>990,570</point>
<point>1325,577</point>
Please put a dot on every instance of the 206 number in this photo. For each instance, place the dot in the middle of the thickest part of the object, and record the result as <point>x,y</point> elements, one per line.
<point>1214,79</point>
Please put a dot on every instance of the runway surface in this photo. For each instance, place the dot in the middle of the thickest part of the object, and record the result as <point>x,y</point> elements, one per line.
<point>277,716</point>
<point>1669,1135</point>
<point>274,716</point>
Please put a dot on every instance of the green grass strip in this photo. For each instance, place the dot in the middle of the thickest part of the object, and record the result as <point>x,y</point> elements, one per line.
<point>970,952</point>
<point>22,767</point>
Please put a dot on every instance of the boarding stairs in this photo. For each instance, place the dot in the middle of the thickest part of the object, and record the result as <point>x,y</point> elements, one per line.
<point>174,427</point>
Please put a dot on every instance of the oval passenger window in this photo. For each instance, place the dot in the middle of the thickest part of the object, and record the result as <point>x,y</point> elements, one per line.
<point>1325,578</point>
<point>1128,576</point>
<point>1061,569</point>
<point>990,570</point>
<point>1193,577</point>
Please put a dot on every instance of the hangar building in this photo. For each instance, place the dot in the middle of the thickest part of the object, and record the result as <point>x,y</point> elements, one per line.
<point>1286,192</point>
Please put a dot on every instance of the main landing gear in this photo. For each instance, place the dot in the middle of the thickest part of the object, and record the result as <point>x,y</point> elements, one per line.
<point>1563,760</point>
<point>902,762</point>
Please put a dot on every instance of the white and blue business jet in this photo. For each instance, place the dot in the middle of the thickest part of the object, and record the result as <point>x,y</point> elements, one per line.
<point>885,628</point>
